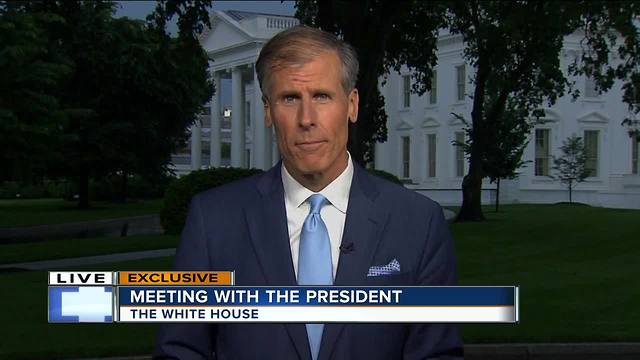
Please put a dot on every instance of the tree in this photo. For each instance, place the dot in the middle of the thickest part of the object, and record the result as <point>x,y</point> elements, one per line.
<point>30,75</point>
<point>130,83</point>
<point>505,145</point>
<point>386,34</point>
<point>612,27</point>
<point>571,166</point>
<point>153,89</point>
<point>514,48</point>
<point>84,38</point>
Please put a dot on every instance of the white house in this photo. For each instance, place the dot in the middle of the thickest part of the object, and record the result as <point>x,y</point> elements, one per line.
<point>421,128</point>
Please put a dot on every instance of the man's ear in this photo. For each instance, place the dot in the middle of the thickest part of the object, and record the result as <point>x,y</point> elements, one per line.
<point>267,113</point>
<point>354,99</point>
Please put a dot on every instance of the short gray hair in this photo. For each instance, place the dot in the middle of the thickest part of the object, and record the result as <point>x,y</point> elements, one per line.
<point>299,45</point>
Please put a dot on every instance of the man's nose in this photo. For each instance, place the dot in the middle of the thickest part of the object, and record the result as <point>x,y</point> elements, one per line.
<point>306,113</point>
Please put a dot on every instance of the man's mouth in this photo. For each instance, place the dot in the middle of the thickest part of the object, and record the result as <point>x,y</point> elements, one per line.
<point>310,145</point>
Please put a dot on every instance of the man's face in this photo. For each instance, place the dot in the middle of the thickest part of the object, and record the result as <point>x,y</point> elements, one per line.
<point>311,112</point>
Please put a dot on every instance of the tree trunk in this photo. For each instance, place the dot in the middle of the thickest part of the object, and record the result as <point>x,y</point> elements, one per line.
<point>497,194</point>
<point>471,209</point>
<point>83,190</point>
<point>123,188</point>
<point>570,197</point>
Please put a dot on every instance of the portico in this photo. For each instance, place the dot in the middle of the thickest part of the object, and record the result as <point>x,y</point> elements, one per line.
<point>233,44</point>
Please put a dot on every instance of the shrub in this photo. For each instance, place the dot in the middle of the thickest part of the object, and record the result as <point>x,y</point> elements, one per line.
<point>180,192</point>
<point>138,187</point>
<point>45,188</point>
<point>9,190</point>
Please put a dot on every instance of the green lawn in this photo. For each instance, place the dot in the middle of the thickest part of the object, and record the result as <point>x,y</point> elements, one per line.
<point>56,211</point>
<point>67,248</point>
<point>577,267</point>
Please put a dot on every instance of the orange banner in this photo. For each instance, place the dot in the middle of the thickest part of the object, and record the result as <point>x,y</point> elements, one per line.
<point>175,278</point>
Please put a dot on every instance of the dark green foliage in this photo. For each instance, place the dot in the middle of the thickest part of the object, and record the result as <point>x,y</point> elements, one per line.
<point>123,104</point>
<point>179,194</point>
<point>387,176</point>
<point>612,27</point>
<point>571,166</point>
<point>30,75</point>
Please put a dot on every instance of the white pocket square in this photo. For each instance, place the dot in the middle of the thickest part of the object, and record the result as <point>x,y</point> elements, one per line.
<point>379,270</point>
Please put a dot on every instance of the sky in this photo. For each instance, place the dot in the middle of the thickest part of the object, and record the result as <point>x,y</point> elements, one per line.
<point>140,9</point>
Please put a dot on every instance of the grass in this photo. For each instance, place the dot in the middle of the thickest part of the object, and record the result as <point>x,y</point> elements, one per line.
<point>57,211</point>
<point>67,248</point>
<point>576,266</point>
<point>27,335</point>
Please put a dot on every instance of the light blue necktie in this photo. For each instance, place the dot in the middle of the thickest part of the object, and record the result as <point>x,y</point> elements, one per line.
<point>314,261</point>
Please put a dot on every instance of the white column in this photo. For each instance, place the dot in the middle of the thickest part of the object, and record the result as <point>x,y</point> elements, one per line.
<point>196,145</point>
<point>216,117</point>
<point>261,152</point>
<point>237,119</point>
<point>378,156</point>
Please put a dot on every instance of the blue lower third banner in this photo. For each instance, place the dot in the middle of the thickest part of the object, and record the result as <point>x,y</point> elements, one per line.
<point>462,304</point>
<point>73,304</point>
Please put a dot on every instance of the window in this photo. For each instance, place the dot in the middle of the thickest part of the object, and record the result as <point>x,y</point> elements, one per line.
<point>247,158</point>
<point>591,151</point>
<point>433,92</point>
<point>406,156</point>
<point>406,90</point>
<point>459,154</point>
<point>431,155</point>
<point>542,152</point>
<point>590,88</point>
<point>461,78</point>
<point>635,148</point>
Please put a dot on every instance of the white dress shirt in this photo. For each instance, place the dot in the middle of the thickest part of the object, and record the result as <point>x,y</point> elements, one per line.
<point>333,213</point>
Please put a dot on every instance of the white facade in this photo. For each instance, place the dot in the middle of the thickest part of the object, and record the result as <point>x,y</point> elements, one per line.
<point>419,148</point>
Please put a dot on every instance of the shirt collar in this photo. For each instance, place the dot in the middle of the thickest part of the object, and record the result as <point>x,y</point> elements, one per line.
<point>337,192</point>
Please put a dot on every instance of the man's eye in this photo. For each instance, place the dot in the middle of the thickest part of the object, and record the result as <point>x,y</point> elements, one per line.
<point>322,97</point>
<point>289,99</point>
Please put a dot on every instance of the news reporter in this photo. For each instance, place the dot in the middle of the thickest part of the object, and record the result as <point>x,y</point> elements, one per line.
<point>316,218</point>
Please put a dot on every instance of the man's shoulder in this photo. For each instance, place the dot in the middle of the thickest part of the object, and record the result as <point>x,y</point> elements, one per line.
<point>396,195</point>
<point>230,194</point>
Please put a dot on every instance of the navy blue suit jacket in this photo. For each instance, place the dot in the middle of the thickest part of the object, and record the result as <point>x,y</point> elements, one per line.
<point>242,226</point>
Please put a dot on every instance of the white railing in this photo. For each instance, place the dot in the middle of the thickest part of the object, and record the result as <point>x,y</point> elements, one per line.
<point>280,23</point>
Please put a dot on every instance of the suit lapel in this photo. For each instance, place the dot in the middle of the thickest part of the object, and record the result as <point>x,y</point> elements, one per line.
<point>267,224</point>
<point>362,229</point>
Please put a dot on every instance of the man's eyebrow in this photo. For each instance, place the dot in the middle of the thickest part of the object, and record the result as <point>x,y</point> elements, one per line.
<point>323,91</point>
<point>283,93</point>
<point>295,92</point>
